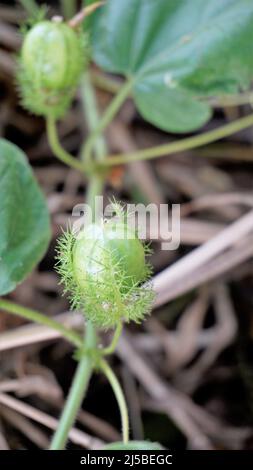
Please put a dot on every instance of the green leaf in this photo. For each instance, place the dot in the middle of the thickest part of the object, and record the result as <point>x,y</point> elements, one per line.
<point>24,218</point>
<point>133,445</point>
<point>177,52</point>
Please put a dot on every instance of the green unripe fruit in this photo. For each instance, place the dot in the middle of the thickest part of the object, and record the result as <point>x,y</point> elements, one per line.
<point>52,60</point>
<point>101,246</point>
<point>104,270</point>
<point>51,53</point>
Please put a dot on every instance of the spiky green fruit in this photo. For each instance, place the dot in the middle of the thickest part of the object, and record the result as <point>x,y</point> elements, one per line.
<point>104,273</point>
<point>53,56</point>
<point>101,245</point>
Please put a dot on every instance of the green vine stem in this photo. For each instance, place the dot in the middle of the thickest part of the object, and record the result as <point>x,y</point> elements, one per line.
<point>231,100</point>
<point>181,145</point>
<point>112,85</point>
<point>105,82</point>
<point>86,364</point>
<point>58,150</point>
<point>78,19</point>
<point>37,317</point>
<point>30,6</point>
<point>109,114</point>
<point>95,188</point>
<point>90,351</point>
<point>112,379</point>
<point>112,346</point>
<point>77,390</point>
<point>89,102</point>
<point>68,8</point>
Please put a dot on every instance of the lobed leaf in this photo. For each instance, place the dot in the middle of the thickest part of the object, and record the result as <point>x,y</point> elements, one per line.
<point>177,53</point>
